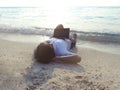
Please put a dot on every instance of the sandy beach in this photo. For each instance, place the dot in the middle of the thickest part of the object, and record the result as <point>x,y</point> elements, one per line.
<point>97,70</point>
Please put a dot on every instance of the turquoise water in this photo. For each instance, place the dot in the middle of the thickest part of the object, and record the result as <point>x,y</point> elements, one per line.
<point>96,24</point>
<point>87,19</point>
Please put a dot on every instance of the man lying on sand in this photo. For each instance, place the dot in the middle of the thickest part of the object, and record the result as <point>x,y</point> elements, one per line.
<point>58,48</point>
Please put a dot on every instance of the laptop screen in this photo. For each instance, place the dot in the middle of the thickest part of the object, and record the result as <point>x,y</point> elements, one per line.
<point>58,33</point>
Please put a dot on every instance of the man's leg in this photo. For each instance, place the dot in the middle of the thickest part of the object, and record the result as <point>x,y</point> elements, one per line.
<point>73,40</point>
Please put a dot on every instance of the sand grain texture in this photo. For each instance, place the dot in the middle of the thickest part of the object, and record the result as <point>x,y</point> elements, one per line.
<point>97,70</point>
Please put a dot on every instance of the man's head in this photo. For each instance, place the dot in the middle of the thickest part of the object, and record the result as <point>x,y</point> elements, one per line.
<point>60,26</point>
<point>44,53</point>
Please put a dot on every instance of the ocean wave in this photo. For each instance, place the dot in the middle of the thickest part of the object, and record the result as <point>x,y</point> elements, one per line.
<point>25,30</point>
<point>98,36</point>
<point>86,36</point>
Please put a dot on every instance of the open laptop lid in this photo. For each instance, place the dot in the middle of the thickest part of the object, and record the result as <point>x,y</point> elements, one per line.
<point>58,33</point>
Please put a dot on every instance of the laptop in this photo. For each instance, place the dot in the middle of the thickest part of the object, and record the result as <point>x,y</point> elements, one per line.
<point>58,33</point>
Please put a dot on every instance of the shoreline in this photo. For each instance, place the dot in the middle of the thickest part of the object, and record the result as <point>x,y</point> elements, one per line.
<point>97,70</point>
<point>112,48</point>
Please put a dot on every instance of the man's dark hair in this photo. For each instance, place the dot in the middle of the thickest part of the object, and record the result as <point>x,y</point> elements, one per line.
<point>44,53</point>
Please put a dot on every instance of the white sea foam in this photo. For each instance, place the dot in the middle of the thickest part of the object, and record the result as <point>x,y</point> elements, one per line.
<point>24,30</point>
<point>86,36</point>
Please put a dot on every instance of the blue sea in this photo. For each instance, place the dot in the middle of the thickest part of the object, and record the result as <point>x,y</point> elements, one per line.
<point>95,26</point>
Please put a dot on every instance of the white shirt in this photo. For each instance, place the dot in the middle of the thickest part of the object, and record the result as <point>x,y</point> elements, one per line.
<point>61,47</point>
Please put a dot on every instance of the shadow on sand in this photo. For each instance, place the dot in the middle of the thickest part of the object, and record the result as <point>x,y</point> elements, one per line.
<point>38,74</point>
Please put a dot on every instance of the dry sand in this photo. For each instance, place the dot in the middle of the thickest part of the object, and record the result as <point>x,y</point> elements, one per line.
<point>97,70</point>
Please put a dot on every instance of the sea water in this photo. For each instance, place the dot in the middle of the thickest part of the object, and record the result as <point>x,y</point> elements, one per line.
<point>94,25</point>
